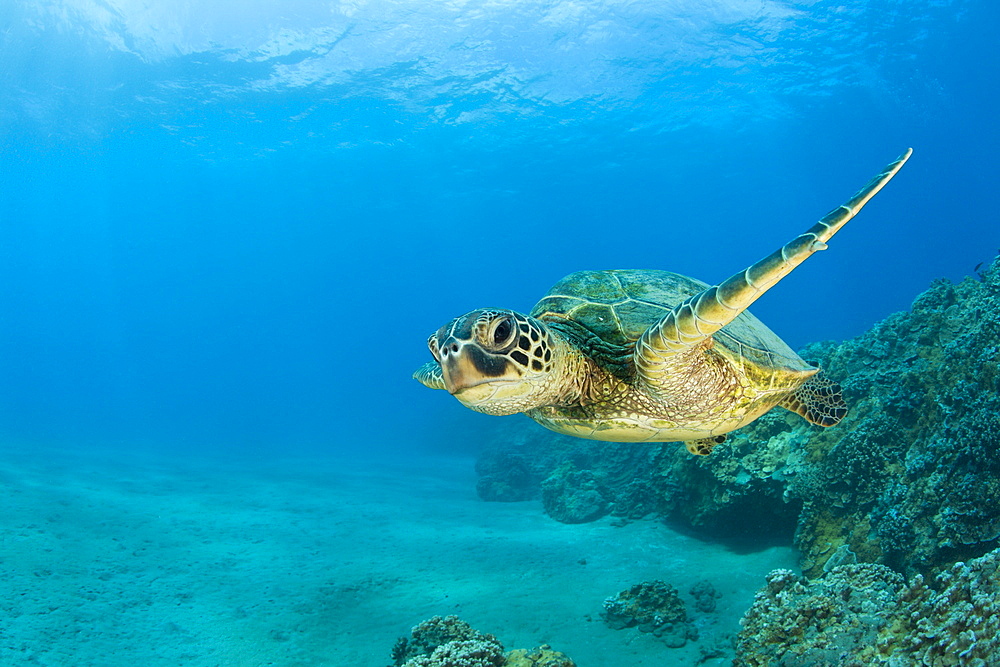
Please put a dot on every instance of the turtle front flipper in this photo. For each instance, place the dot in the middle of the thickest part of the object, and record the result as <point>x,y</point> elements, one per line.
<point>430,375</point>
<point>697,318</point>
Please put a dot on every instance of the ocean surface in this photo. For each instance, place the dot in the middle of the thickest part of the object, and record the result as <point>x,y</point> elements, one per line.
<point>227,228</point>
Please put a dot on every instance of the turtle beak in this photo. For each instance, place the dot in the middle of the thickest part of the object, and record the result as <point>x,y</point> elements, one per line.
<point>465,365</point>
<point>459,371</point>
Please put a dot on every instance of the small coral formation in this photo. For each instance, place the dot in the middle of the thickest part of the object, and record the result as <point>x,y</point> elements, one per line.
<point>705,596</point>
<point>653,606</point>
<point>866,615</point>
<point>448,641</point>
<point>486,652</point>
<point>543,656</point>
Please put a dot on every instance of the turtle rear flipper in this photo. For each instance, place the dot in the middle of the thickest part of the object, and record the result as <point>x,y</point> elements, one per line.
<point>819,401</point>
<point>704,446</point>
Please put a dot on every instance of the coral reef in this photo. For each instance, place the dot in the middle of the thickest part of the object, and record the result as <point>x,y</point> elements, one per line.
<point>909,479</point>
<point>448,641</point>
<point>653,606</point>
<point>797,623</point>
<point>866,615</point>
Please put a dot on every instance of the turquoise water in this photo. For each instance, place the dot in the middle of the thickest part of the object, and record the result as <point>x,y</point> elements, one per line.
<point>228,228</point>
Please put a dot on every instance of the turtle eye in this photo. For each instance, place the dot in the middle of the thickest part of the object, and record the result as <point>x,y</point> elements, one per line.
<point>502,332</point>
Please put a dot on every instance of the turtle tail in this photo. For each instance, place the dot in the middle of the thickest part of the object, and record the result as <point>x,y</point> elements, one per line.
<point>698,317</point>
<point>819,400</point>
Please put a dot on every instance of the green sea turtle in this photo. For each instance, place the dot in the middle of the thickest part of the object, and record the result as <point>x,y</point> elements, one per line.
<point>643,356</point>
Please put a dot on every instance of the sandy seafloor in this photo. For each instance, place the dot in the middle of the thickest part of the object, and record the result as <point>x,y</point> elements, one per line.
<point>110,558</point>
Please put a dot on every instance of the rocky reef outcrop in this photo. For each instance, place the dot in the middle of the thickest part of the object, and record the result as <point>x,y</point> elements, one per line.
<point>448,641</point>
<point>909,479</point>
<point>578,480</point>
<point>865,615</point>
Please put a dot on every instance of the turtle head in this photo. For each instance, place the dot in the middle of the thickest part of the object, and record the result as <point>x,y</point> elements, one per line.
<point>493,361</point>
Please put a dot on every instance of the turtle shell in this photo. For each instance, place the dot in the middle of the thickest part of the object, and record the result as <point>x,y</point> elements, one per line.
<point>618,307</point>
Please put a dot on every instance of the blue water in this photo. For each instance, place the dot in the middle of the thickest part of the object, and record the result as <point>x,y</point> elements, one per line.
<point>228,224</point>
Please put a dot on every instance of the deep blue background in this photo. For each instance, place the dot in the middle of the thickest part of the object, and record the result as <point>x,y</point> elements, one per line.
<point>233,225</point>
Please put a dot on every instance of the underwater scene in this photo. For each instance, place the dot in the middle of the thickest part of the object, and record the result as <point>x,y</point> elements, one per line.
<point>481,333</point>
